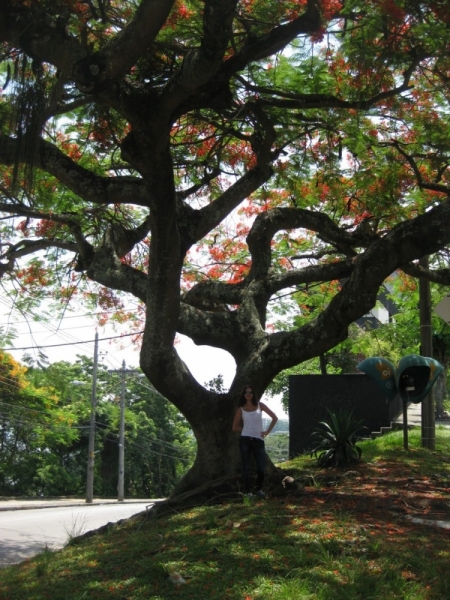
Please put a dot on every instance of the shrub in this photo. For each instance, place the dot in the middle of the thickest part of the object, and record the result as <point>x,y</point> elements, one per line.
<point>336,440</point>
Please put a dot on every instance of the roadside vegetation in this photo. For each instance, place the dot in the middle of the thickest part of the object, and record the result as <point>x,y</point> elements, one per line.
<point>44,431</point>
<point>368,532</point>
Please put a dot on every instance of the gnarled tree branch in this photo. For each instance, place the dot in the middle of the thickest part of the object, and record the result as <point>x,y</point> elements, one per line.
<point>86,184</point>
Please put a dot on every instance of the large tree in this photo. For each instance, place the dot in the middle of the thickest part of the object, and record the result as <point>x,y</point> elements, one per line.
<point>209,157</point>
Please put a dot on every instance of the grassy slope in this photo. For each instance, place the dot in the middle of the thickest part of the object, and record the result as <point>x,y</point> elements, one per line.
<point>344,535</point>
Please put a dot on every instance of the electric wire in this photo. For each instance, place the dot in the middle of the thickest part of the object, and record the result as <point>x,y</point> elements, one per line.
<point>99,425</point>
<point>21,408</point>
<point>108,437</point>
<point>136,444</point>
<point>111,437</point>
<point>78,316</point>
<point>19,420</point>
<point>70,339</point>
<point>52,330</point>
<point>41,346</point>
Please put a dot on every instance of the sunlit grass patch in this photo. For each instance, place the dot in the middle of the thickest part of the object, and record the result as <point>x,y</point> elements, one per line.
<point>392,444</point>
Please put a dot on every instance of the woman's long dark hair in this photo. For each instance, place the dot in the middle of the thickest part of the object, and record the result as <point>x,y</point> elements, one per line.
<point>255,399</point>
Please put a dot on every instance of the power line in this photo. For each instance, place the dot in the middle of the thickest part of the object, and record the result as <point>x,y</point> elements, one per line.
<point>38,347</point>
<point>137,445</point>
<point>60,331</point>
<point>65,318</point>
<point>29,318</point>
<point>17,422</point>
<point>20,420</point>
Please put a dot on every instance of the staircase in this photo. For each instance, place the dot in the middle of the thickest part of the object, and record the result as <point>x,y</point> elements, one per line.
<point>414,417</point>
<point>382,431</point>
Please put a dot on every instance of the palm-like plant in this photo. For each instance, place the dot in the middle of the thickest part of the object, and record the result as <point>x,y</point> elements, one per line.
<point>336,440</point>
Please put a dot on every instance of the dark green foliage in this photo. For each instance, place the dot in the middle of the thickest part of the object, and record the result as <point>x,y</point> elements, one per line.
<point>44,427</point>
<point>336,440</point>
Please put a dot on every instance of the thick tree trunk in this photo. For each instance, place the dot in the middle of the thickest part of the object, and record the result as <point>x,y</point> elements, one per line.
<point>217,457</point>
<point>217,466</point>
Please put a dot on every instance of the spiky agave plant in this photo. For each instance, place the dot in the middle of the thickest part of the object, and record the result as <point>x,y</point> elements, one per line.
<point>336,440</point>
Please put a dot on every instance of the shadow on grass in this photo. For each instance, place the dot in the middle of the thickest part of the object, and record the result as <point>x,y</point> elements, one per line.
<point>325,544</point>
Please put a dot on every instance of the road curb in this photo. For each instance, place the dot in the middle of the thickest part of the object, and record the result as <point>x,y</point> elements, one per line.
<point>10,505</point>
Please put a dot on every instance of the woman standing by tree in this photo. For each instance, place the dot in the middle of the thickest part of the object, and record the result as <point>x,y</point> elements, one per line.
<point>248,421</point>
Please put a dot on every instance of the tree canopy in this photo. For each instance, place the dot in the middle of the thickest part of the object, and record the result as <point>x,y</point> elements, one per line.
<point>220,161</point>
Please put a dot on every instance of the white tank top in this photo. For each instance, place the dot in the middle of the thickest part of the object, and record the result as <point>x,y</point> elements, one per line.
<point>253,424</point>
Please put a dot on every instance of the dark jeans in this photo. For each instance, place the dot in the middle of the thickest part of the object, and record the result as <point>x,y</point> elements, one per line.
<point>255,446</point>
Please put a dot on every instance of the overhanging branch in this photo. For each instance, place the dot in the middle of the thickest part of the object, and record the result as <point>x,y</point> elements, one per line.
<point>201,64</point>
<point>435,187</point>
<point>441,276</point>
<point>268,223</point>
<point>407,242</point>
<point>274,41</point>
<point>99,71</point>
<point>86,184</point>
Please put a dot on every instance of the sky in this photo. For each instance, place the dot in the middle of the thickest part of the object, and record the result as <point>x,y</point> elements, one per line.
<point>74,334</point>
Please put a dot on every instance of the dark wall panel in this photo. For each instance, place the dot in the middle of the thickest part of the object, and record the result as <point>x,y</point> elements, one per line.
<point>311,395</point>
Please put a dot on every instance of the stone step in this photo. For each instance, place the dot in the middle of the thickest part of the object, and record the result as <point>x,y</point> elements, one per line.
<point>383,431</point>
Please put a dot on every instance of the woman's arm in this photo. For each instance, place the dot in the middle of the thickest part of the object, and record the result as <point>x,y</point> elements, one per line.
<point>272,415</point>
<point>237,421</point>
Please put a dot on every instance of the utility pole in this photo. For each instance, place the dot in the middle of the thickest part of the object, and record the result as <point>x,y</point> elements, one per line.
<point>426,349</point>
<point>91,447</point>
<point>120,484</point>
<point>121,475</point>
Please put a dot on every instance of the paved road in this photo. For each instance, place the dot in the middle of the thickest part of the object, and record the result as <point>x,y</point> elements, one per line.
<point>24,533</point>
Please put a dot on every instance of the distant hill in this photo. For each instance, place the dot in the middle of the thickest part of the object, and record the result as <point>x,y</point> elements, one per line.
<point>282,425</point>
<point>277,443</point>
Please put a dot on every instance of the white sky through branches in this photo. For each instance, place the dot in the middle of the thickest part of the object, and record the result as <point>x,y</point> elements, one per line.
<point>63,340</point>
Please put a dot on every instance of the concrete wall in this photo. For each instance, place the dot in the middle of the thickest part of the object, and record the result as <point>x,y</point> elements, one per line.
<point>311,395</point>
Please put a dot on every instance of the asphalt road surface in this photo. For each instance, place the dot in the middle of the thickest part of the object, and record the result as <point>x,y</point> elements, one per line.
<point>24,533</point>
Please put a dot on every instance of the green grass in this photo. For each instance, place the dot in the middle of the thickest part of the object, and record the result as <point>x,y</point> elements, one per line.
<point>344,535</point>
